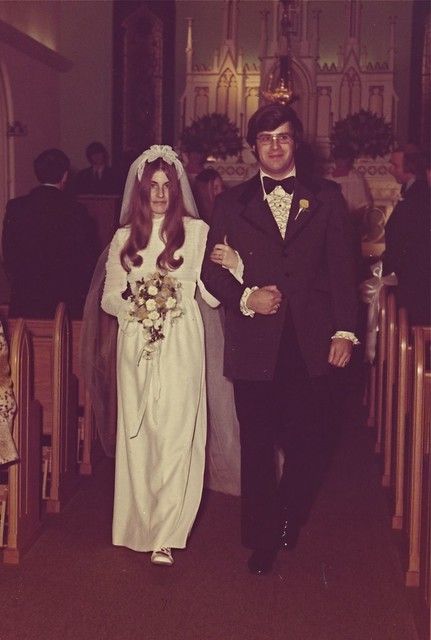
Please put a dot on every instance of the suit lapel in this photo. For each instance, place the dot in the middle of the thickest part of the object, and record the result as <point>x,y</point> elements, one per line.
<point>256,210</point>
<point>302,211</point>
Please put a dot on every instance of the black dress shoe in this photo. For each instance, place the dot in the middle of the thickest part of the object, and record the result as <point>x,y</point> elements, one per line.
<point>290,529</point>
<point>261,561</point>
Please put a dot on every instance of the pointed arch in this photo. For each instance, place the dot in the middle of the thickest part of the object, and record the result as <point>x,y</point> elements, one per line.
<point>227,92</point>
<point>350,93</point>
<point>305,87</point>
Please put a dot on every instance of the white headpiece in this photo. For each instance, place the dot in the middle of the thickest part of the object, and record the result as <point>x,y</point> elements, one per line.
<point>166,153</point>
<point>163,151</point>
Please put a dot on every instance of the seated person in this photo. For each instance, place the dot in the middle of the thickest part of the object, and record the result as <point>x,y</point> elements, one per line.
<point>208,184</point>
<point>49,244</point>
<point>407,235</point>
<point>194,160</point>
<point>98,178</point>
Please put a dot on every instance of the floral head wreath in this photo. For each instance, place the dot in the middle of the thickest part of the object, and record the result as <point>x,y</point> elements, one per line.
<point>163,151</point>
<point>166,153</point>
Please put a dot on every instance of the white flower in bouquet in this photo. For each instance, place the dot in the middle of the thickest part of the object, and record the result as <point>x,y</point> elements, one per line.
<point>150,304</point>
<point>171,303</point>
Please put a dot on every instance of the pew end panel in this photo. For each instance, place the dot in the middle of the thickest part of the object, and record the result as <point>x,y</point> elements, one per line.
<point>64,473</point>
<point>55,389</point>
<point>24,476</point>
<point>419,528</point>
<point>90,450</point>
<point>389,390</point>
<point>403,421</point>
<point>381,370</point>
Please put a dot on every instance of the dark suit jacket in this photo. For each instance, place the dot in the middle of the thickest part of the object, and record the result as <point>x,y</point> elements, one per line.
<point>313,267</point>
<point>407,253</point>
<point>86,182</point>
<point>49,251</point>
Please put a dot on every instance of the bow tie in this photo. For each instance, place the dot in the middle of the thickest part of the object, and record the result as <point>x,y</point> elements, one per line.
<point>269,184</point>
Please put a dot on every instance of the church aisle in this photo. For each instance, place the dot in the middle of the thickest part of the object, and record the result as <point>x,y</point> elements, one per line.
<point>343,582</point>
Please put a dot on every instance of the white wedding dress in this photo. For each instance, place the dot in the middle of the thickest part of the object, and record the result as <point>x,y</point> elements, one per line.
<point>162,413</point>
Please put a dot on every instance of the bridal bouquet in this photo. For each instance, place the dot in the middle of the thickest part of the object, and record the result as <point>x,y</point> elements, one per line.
<point>152,300</point>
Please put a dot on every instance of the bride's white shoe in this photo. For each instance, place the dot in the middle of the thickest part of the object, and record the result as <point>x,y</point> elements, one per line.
<point>162,556</point>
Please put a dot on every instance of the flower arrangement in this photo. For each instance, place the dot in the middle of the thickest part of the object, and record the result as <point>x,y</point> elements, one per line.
<point>152,300</point>
<point>365,132</point>
<point>214,135</point>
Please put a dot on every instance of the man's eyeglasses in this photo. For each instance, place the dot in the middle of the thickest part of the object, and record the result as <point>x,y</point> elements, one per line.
<point>267,138</point>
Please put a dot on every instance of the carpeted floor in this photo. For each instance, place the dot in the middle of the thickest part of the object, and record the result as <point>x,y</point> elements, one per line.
<point>343,582</point>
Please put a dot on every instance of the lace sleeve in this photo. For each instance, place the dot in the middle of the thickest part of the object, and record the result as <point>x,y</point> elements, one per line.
<point>201,244</point>
<point>116,279</point>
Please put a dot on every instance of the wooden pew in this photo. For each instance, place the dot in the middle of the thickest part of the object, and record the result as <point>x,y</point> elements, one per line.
<point>87,446</point>
<point>381,370</point>
<point>419,528</point>
<point>23,500</point>
<point>403,418</point>
<point>88,443</point>
<point>389,388</point>
<point>56,388</point>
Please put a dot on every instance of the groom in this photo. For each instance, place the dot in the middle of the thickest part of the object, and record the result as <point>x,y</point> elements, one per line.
<point>291,320</point>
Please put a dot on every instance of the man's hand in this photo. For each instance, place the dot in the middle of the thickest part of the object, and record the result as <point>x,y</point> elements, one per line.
<point>265,300</point>
<point>340,352</point>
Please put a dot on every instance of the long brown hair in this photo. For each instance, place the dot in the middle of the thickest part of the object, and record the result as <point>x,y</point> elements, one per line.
<point>140,219</point>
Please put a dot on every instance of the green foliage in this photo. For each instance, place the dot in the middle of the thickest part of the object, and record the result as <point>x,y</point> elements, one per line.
<point>214,135</point>
<point>365,132</point>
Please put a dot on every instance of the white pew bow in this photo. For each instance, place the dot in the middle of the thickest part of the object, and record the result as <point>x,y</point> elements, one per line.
<point>370,294</point>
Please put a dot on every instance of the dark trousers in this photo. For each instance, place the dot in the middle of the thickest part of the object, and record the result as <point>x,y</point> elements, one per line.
<point>290,412</point>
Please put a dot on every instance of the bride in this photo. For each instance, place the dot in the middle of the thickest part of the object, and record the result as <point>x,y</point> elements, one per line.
<point>152,272</point>
<point>100,341</point>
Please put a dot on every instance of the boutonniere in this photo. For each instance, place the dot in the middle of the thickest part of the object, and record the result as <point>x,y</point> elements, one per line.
<point>303,206</point>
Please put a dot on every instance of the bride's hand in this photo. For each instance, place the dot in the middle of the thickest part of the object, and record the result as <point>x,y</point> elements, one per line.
<point>224,255</point>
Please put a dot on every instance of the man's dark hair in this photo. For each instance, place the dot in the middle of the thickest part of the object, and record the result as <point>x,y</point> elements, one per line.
<point>50,166</point>
<point>270,117</point>
<point>95,147</point>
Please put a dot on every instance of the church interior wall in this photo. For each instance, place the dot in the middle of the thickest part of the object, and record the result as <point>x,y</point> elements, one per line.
<point>375,38</point>
<point>86,90</point>
<point>39,20</point>
<point>66,109</point>
<point>34,89</point>
<point>57,108</point>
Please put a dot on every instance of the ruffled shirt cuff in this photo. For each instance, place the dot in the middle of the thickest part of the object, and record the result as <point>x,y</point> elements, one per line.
<point>346,335</point>
<point>243,302</point>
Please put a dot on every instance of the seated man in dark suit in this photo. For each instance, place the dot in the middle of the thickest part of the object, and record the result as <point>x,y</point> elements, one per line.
<point>98,178</point>
<point>49,244</point>
<point>407,236</point>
